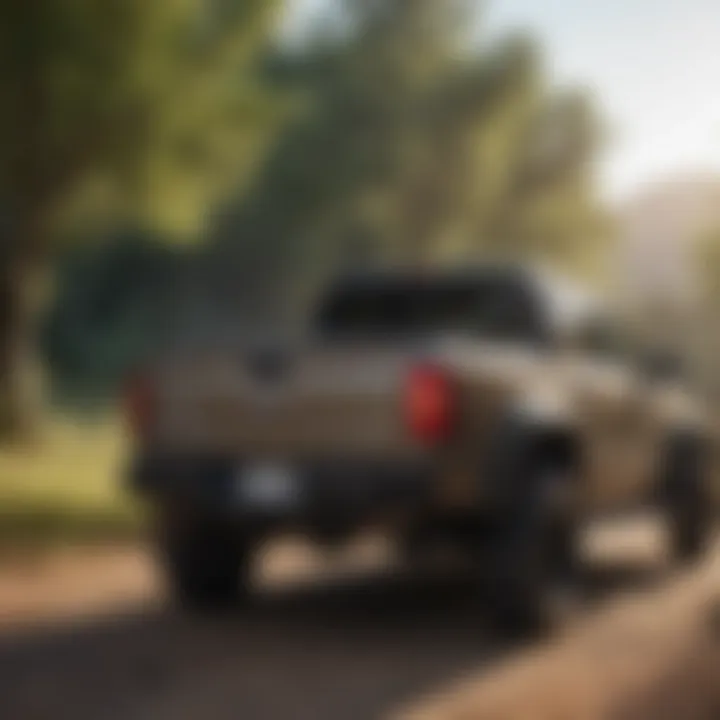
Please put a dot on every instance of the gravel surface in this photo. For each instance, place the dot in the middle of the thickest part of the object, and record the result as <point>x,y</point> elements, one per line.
<point>86,634</point>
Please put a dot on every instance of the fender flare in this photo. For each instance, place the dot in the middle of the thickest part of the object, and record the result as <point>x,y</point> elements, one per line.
<point>684,456</point>
<point>519,441</point>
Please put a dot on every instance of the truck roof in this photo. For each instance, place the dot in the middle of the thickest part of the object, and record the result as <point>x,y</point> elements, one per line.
<point>564,303</point>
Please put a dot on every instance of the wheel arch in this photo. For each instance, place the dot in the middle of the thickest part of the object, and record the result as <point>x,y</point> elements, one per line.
<point>521,443</point>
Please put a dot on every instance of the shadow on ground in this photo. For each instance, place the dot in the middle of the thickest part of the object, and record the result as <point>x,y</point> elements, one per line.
<point>350,649</point>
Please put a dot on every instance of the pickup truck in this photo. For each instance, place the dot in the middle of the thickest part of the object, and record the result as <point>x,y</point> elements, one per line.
<point>493,408</point>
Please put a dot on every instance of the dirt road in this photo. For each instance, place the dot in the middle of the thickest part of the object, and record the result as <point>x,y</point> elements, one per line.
<point>88,637</point>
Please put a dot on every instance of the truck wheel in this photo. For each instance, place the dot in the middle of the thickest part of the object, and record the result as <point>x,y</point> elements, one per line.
<point>206,567</point>
<point>535,554</point>
<point>687,503</point>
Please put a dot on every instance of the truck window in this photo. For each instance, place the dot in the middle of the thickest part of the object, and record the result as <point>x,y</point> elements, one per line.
<point>493,308</point>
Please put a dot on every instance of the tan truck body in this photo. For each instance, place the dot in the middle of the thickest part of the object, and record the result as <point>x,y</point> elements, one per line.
<point>323,435</point>
<point>345,403</point>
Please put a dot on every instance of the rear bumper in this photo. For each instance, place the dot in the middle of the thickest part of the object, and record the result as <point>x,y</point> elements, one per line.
<point>319,492</point>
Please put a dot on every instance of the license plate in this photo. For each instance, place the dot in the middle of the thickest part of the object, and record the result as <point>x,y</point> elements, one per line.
<point>267,485</point>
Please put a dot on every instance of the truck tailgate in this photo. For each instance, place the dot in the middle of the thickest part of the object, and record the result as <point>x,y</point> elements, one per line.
<point>315,402</point>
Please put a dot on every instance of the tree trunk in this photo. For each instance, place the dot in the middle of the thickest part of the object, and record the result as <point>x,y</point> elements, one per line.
<point>20,390</point>
<point>36,179</point>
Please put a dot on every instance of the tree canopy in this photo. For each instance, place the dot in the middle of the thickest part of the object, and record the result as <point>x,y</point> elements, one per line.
<point>394,134</point>
<point>117,109</point>
<point>413,145</point>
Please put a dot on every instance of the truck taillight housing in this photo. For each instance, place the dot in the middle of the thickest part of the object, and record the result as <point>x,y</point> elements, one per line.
<point>430,404</point>
<point>140,404</point>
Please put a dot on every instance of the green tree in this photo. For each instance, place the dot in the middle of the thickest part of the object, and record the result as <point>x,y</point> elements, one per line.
<point>330,186</point>
<point>114,302</point>
<point>122,108</point>
<point>412,143</point>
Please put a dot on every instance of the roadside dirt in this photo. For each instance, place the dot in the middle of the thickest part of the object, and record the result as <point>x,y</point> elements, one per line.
<point>649,655</point>
<point>86,634</point>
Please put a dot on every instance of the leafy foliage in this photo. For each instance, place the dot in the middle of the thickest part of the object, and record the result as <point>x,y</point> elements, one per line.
<point>148,98</point>
<point>113,110</point>
<point>114,301</point>
<point>412,147</point>
<point>406,141</point>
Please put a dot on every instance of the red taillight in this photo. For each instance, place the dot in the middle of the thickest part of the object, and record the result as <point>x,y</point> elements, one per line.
<point>140,405</point>
<point>430,405</point>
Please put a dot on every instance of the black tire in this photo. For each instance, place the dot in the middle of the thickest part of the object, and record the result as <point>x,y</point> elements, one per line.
<point>688,539</point>
<point>206,567</point>
<point>534,554</point>
<point>687,502</point>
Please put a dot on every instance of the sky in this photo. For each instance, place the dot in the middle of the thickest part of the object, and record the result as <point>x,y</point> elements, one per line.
<point>653,64</point>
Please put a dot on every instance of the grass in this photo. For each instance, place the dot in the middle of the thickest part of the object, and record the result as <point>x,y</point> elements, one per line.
<point>68,487</point>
